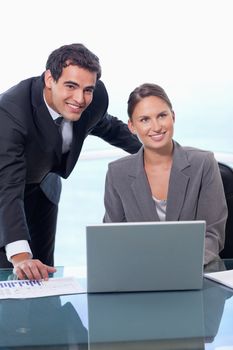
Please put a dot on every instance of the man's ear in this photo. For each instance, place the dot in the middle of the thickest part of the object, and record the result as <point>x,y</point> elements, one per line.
<point>131,127</point>
<point>48,79</point>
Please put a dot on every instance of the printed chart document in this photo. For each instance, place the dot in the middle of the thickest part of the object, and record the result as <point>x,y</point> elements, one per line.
<point>18,289</point>
<point>223,277</point>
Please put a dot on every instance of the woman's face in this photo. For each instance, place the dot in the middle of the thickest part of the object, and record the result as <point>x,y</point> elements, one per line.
<point>153,122</point>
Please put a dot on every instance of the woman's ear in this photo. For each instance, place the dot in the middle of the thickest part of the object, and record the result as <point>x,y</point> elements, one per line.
<point>131,127</point>
<point>173,116</point>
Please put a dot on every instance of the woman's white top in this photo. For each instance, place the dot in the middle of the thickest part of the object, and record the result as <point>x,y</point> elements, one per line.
<point>161,206</point>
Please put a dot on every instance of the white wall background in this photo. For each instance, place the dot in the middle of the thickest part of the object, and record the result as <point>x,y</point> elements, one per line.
<point>179,41</point>
<point>183,45</point>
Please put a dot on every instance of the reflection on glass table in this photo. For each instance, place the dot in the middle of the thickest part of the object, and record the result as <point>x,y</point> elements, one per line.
<point>149,320</point>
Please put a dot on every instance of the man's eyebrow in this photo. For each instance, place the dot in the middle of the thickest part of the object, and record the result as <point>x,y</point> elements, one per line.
<point>71,82</point>
<point>76,84</point>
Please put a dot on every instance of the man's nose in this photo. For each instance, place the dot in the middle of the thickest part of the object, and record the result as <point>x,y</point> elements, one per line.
<point>79,96</point>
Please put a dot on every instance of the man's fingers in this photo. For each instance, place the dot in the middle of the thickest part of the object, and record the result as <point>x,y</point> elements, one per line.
<point>19,273</point>
<point>33,269</point>
<point>37,271</point>
<point>51,268</point>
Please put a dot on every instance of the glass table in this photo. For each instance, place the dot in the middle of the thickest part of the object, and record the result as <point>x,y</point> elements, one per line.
<point>150,320</point>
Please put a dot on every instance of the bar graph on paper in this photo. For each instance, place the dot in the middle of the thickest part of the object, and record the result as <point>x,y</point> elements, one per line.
<point>35,289</point>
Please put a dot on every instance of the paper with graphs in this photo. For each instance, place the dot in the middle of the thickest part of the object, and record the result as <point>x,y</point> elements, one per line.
<point>15,289</point>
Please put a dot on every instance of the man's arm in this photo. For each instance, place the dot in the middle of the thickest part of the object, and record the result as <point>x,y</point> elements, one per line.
<point>13,224</point>
<point>16,248</point>
<point>20,255</point>
<point>116,133</point>
<point>12,181</point>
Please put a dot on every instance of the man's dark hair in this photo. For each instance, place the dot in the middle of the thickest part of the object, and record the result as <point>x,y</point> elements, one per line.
<point>73,54</point>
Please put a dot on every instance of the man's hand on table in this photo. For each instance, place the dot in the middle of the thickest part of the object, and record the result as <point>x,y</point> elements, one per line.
<point>27,268</point>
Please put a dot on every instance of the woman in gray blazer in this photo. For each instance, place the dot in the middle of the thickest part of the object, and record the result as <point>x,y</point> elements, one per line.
<point>165,181</point>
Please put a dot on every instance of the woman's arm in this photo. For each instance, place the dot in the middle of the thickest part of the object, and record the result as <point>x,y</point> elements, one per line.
<point>212,207</point>
<point>114,211</point>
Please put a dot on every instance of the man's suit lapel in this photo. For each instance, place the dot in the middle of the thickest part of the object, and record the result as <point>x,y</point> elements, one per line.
<point>141,190</point>
<point>76,146</point>
<point>178,183</point>
<point>47,131</point>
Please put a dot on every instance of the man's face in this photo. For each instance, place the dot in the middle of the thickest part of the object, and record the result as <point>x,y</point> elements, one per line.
<point>72,93</point>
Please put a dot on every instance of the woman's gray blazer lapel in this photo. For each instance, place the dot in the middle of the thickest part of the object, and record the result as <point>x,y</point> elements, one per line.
<point>141,190</point>
<point>178,183</point>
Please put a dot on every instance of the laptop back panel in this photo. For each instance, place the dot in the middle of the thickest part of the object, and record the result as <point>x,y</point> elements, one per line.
<point>146,256</point>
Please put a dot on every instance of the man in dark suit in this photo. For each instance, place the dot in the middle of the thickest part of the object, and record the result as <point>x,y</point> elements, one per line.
<point>44,122</point>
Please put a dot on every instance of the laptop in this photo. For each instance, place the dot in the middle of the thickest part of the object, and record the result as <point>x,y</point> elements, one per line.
<point>145,256</point>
